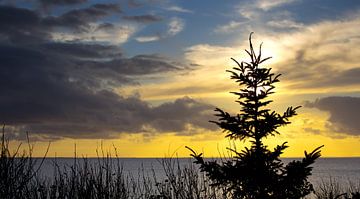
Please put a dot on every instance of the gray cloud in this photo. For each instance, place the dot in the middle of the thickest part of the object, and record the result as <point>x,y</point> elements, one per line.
<point>56,93</point>
<point>79,18</point>
<point>82,50</point>
<point>137,65</point>
<point>105,115</point>
<point>143,18</point>
<point>66,89</point>
<point>134,4</point>
<point>344,113</point>
<point>172,116</point>
<point>61,2</point>
<point>320,75</point>
<point>19,25</point>
<point>330,77</point>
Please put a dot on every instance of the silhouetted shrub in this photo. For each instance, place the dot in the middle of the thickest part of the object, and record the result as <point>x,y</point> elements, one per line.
<point>257,172</point>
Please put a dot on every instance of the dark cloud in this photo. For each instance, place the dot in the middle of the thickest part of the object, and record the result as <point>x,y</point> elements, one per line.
<point>174,116</point>
<point>61,2</point>
<point>105,115</point>
<point>80,18</point>
<point>19,25</point>
<point>323,76</point>
<point>134,4</point>
<point>143,18</point>
<point>82,50</point>
<point>341,78</point>
<point>66,89</point>
<point>59,90</point>
<point>106,26</point>
<point>344,113</point>
<point>319,72</point>
<point>138,65</point>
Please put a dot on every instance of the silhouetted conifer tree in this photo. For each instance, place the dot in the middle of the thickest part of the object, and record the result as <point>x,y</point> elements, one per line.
<point>257,172</point>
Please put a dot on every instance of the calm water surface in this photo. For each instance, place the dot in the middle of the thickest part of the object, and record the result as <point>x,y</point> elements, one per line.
<point>343,170</point>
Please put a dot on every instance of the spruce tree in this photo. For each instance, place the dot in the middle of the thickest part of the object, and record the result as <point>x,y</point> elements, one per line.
<point>257,172</point>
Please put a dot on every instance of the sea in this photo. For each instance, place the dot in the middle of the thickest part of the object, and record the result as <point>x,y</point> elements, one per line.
<point>344,171</point>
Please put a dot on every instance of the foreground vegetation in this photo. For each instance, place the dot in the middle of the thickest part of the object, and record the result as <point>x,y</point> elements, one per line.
<point>20,177</point>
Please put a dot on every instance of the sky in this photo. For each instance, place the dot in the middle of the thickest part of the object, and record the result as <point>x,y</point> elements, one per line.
<point>143,78</point>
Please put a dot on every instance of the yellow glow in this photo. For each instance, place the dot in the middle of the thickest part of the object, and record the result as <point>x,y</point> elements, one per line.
<point>212,144</point>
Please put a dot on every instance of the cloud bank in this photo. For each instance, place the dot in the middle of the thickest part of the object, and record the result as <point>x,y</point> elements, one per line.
<point>344,113</point>
<point>58,76</point>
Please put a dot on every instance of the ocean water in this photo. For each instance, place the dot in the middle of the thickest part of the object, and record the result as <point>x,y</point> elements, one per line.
<point>341,170</point>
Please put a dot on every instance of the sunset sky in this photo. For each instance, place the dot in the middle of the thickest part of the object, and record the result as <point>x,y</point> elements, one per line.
<point>145,76</point>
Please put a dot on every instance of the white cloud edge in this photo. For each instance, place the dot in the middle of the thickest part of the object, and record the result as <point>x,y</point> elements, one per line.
<point>178,9</point>
<point>119,34</point>
<point>143,39</point>
<point>175,25</point>
<point>231,26</point>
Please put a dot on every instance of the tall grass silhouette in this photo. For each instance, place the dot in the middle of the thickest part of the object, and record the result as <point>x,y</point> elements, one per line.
<point>20,177</point>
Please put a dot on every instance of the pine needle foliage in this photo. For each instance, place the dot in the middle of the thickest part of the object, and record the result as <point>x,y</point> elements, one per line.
<point>257,172</point>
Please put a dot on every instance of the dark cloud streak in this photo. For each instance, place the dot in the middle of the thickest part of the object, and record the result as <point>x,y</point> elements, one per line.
<point>80,18</point>
<point>344,113</point>
<point>61,2</point>
<point>143,18</point>
<point>48,4</point>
